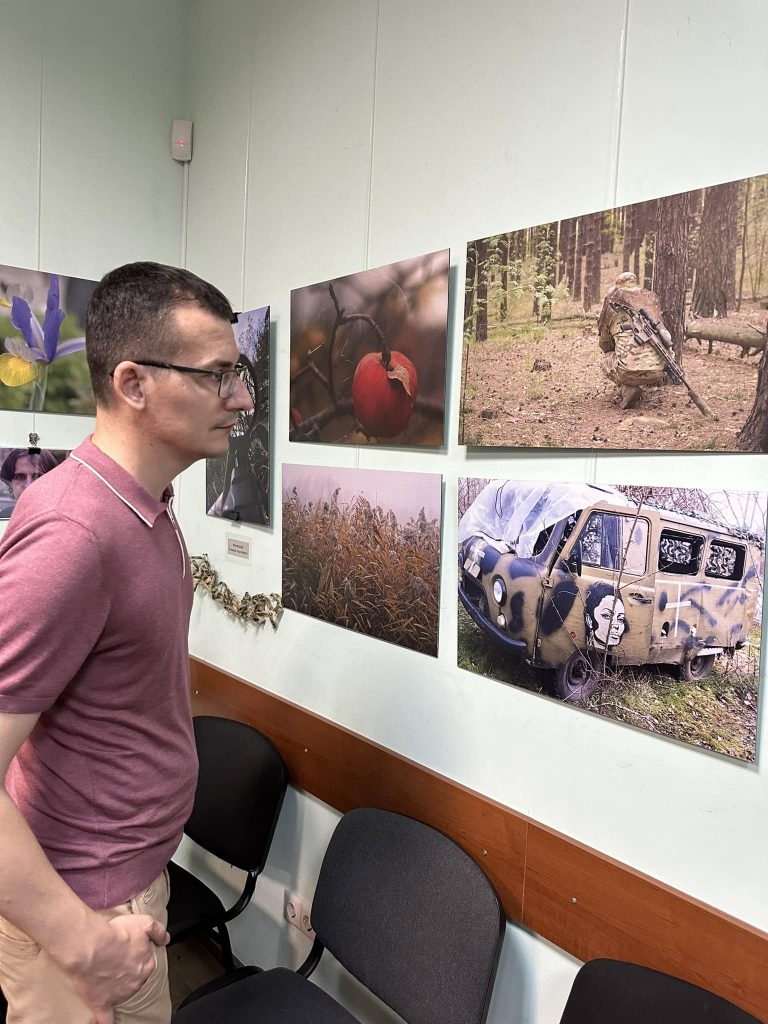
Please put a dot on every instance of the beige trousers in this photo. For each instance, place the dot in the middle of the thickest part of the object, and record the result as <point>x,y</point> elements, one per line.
<point>38,991</point>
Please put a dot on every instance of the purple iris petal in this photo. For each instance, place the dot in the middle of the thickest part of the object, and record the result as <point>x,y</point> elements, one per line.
<point>53,317</point>
<point>66,348</point>
<point>21,318</point>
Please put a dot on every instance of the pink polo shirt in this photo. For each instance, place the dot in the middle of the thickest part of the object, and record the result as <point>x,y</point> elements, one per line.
<point>94,616</point>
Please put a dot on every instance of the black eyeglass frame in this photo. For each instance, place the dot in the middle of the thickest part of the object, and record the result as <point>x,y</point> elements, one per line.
<point>240,370</point>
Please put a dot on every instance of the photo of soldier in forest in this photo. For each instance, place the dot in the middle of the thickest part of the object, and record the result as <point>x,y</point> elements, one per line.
<point>639,327</point>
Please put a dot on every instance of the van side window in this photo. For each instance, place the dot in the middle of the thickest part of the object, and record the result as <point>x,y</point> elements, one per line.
<point>725,561</point>
<point>680,553</point>
<point>608,538</point>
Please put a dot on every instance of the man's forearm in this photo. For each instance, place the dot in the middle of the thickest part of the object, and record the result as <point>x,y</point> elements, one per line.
<point>36,899</point>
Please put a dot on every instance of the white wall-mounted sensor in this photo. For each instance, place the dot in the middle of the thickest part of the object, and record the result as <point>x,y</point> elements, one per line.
<point>181,141</point>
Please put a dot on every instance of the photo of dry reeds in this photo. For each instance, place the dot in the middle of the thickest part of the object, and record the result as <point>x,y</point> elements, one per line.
<point>361,549</point>
<point>368,355</point>
<point>637,327</point>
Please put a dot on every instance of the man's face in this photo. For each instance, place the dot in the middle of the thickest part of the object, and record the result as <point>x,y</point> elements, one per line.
<point>185,412</point>
<point>26,472</point>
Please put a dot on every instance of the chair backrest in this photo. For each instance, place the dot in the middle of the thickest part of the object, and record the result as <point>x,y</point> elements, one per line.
<point>240,790</point>
<point>623,993</point>
<point>411,916</point>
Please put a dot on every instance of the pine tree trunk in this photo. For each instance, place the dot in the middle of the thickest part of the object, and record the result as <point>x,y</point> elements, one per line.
<point>626,245</point>
<point>730,242</point>
<point>577,273</point>
<point>753,436</point>
<point>672,264</point>
<point>518,251</point>
<point>481,293</point>
<point>743,244</point>
<point>607,231</point>
<point>504,264</point>
<point>638,230</point>
<point>568,250</point>
<point>469,289</point>
<point>716,260</point>
<point>592,260</point>
<point>650,213</point>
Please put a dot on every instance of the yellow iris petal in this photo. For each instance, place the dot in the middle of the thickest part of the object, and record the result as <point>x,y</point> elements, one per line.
<point>15,371</point>
<point>4,302</point>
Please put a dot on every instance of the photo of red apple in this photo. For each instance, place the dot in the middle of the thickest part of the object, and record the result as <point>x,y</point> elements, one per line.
<point>368,356</point>
<point>383,399</point>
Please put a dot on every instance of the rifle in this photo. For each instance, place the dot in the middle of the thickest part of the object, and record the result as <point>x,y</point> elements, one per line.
<point>647,331</point>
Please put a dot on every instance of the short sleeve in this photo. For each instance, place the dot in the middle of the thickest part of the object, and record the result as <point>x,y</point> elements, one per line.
<point>55,602</point>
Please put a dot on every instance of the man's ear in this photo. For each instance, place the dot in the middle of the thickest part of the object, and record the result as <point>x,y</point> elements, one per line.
<point>129,383</point>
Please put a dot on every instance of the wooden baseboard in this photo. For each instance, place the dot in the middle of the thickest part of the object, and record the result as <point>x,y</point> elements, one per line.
<point>578,898</point>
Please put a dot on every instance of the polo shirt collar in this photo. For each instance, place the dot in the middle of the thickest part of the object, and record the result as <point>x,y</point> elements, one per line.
<point>118,480</point>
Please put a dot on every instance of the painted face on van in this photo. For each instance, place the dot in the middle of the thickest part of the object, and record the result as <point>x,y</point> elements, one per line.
<point>608,633</point>
<point>604,616</point>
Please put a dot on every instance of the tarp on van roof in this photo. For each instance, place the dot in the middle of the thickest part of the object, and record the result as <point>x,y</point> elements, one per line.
<point>515,512</point>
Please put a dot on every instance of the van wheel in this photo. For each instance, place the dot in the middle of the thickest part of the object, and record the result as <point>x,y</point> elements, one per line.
<point>697,668</point>
<point>577,678</point>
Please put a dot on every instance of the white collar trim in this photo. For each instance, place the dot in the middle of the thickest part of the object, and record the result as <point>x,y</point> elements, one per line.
<point>113,489</point>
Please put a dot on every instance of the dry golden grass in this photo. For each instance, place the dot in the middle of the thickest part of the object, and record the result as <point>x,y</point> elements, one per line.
<point>356,566</point>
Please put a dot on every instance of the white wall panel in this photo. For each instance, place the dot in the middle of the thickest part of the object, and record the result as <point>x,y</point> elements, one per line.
<point>220,96</point>
<point>694,97</point>
<point>20,151</point>
<point>490,117</point>
<point>310,143</point>
<point>113,80</point>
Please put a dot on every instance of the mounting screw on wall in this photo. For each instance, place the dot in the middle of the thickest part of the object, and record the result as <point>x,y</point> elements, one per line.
<point>297,913</point>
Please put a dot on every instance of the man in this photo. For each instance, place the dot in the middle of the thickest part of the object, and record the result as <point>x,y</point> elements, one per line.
<point>626,362</point>
<point>95,725</point>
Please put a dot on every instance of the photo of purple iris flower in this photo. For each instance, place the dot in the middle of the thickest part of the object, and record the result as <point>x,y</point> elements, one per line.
<point>41,342</point>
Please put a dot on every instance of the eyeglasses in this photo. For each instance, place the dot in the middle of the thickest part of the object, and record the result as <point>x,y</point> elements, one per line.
<point>227,379</point>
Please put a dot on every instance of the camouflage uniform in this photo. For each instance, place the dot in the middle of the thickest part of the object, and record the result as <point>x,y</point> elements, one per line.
<point>626,362</point>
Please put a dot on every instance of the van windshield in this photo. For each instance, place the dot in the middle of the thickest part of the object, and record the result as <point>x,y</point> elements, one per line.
<point>518,512</point>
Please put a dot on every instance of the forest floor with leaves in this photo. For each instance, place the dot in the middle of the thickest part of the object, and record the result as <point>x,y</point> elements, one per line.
<point>718,713</point>
<point>540,385</point>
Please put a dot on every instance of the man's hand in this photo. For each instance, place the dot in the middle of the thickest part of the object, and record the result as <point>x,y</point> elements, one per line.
<point>122,959</point>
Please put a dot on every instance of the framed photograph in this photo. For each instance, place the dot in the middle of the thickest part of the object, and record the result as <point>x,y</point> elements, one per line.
<point>361,549</point>
<point>21,467</point>
<point>238,485</point>
<point>42,365</point>
<point>641,604</point>
<point>639,327</point>
<point>368,355</point>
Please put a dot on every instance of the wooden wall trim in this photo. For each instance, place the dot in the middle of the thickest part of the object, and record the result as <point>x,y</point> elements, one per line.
<point>578,898</point>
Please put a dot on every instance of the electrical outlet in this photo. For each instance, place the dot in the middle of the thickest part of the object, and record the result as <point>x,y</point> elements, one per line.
<point>297,913</point>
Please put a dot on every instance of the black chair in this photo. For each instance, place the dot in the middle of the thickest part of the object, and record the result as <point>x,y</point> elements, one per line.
<point>240,790</point>
<point>622,993</point>
<point>405,910</point>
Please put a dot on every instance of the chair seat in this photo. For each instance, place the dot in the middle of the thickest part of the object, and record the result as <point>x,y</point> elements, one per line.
<point>278,996</point>
<point>192,906</point>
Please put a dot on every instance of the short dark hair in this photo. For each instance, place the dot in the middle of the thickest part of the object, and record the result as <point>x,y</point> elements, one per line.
<point>129,316</point>
<point>45,461</point>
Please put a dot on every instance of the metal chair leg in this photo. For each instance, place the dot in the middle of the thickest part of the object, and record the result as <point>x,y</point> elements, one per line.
<point>226,947</point>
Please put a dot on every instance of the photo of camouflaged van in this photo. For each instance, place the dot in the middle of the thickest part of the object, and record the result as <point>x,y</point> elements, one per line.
<point>573,578</point>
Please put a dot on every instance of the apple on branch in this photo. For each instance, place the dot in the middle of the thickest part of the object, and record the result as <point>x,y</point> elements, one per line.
<point>383,397</point>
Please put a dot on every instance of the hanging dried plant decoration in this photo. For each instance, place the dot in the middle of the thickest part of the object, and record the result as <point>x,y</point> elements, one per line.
<point>256,608</point>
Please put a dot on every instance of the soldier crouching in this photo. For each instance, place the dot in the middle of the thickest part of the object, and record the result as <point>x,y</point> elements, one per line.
<point>625,361</point>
